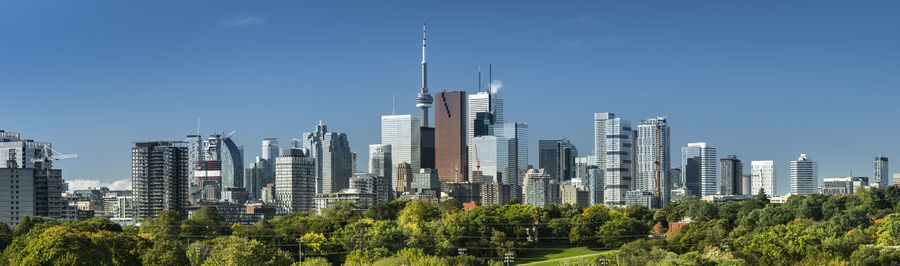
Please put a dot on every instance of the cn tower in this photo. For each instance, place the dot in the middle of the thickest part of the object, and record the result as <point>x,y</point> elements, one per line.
<point>424,100</point>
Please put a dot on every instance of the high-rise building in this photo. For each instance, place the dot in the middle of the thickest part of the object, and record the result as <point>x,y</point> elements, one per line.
<point>232,165</point>
<point>880,177</point>
<point>403,134</point>
<point>698,168</point>
<point>450,136</point>
<point>762,176</point>
<point>426,182</point>
<point>195,155</point>
<point>497,193</point>
<point>746,185</point>
<point>537,188</point>
<point>517,133</point>
<point>600,138</point>
<point>843,185</point>
<point>380,164</point>
<point>256,176</point>
<point>675,174</point>
<point>731,177</point>
<point>654,160</point>
<point>295,181</point>
<point>804,176</point>
<point>159,177</point>
<point>426,147</point>
<point>491,160</point>
<point>270,149</point>
<point>374,184</point>
<point>333,158</point>
<point>481,102</point>
<point>619,166</point>
<point>595,184</point>
<point>575,195</point>
<point>28,180</point>
<point>897,179</point>
<point>403,178</point>
<point>557,157</point>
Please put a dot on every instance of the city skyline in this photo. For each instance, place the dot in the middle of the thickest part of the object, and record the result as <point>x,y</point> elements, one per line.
<point>103,134</point>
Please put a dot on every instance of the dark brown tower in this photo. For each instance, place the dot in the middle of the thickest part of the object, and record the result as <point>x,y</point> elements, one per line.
<point>450,136</point>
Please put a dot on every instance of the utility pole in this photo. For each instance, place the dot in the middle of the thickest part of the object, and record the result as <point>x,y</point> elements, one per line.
<point>300,248</point>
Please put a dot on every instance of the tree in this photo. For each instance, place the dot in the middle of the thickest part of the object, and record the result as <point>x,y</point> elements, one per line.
<point>876,255</point>
<point>889,230</point>
<point>417,212</point>
<point>316,244</point>
<point>232,250</point>
<point>614,233</point>
<point>165,252</point>
<point>343,212</point>
<point>6,235</point>
<point>206,223</point>
<point>585,225</point>
<point>59,245</point>
<point>166,225</point>
<point>385,211</point>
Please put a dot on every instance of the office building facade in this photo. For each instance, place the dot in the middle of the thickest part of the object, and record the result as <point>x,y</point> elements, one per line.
<point>159,177</point>
<point>451,151</point>
<point>804,176</point>
<point>654,160</point>
<point>331,150</point>
<point>295,181</point>
<point>557,157</point>
<point>619,164</point>
<point>762,176</point>
<point>403,134</point>
<point>699,168</point>
<point>731,176</point>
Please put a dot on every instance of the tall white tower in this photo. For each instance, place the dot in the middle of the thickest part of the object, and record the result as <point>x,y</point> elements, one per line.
<point>424,100</point>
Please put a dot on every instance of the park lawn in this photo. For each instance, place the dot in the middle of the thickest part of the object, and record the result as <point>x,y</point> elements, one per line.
<point>544,253</point>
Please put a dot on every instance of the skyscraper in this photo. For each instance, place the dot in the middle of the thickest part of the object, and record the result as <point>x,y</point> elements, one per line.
<point>28,180</point>
<point>491,160</point>
<point>699,169</point>
<point>618,172</point>
<point>159,177</point>
<point>295,181</point>
<point>270,149</point>
<point>481,102</point>
<point>450,137</point>
<point>195,154</point>
<point>731,177</point>
<point>333,159</point>
<point>402,133</point>
<point>380,164</point>
<point>595,184</point>
<point>600,138</point>
<point>403,178</point>
<point>517,133</point>
<point>557,157</point>
<point>882,172</point>
<point>232,165</point>
<point>762,176</point>
<point>537,188</point>
<point>256,176</point>
<point>654,159</point>
<point>804,176</point>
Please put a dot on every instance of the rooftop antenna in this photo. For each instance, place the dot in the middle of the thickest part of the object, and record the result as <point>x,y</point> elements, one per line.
<point>490,77</point>
<point>392,103</point>
<point>479,78</point>
<point>198,126</point>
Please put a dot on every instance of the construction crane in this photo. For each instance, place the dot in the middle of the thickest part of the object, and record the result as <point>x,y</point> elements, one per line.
<point>49,152</point>
<point>477,164</point>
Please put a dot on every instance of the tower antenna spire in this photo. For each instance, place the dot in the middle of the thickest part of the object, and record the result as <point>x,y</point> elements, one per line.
<point>424,99</point>
<point>479,78</point>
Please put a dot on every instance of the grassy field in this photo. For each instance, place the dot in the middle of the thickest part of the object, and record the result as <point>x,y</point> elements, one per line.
<point>552,255</point>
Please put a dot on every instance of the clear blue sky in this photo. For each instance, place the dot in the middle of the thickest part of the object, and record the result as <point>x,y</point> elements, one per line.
<point>760,79</point>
